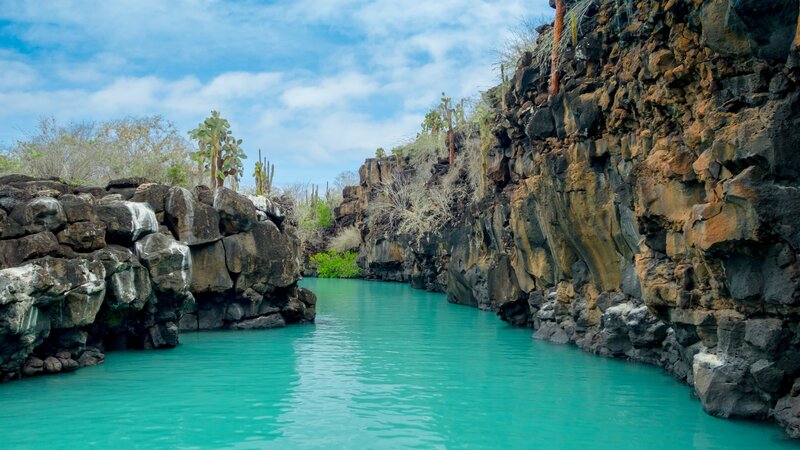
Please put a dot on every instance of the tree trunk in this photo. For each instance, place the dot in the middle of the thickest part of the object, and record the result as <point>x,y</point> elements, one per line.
<point>213,165</point>
<point>220,180</point>
<point>451,136</point>
<point>558,30</point>
<point>796,43</point>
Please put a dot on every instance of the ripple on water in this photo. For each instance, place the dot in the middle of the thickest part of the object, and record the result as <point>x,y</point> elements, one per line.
<point>384,367</point>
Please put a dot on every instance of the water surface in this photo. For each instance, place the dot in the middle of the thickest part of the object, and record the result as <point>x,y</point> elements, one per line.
<point>386,366</point>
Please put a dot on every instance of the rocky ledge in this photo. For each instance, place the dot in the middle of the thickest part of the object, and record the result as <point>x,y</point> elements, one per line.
<point>87,270</point>
<point>649,211</point>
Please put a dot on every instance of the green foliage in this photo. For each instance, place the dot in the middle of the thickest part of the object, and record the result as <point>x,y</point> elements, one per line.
<point>177,176</point>
<point>433,123</point>
<point>219,150</point>
<point>333,264</point>
<point>7,164</point>
<point>380,152</point>
<point>574,27</point>
<point>316,213</point>
<point>264,174</point>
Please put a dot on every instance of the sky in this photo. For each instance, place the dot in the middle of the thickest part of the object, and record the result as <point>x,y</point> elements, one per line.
<point>317,85</point>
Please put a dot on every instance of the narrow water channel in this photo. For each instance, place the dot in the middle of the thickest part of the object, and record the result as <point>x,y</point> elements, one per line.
<point>385,366</point>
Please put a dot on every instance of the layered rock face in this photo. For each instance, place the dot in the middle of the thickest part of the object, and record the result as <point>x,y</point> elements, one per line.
<point>86,270</point>
<point>650,210</point>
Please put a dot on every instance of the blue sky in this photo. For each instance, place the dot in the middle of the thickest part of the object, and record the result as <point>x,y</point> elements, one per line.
<point>316,84</point>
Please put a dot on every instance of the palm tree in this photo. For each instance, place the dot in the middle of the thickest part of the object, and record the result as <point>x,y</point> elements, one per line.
<point>558,30</point>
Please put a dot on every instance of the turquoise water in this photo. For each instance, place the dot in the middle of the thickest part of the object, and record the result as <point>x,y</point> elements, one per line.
<point>386,366</point>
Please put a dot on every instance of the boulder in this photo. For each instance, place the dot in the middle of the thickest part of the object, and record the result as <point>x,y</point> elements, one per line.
<point>787,411</point>
<point>269,209</point>
<point>262,258</point>
<point>168,261</point>
<point>719,383</point>
<point>83,236</point>
<point>40,214</point>
<point>204,194</point>
<point>16,251</point>
<point>127,183</point>
<point>126,222</point>
<point>52,365</point>
<point>127,280</point>
<point>191,221</point>
<point>78,208</point>
<point>153,194</point>
<point>209,272</point>
<point>237,214</point>
<point>260,323</point>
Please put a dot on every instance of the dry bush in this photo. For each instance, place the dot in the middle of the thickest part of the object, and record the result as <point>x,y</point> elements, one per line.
<point>522,38</point>
<point>414,205</point>
<point>347,239</point>
<point>94,153</point>
<point>543,50</point>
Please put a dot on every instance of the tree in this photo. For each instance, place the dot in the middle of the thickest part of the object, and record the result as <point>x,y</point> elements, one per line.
<point>558,30</point>
<point>433,123</point>
<point>218,149</point>
<point>380,152</point>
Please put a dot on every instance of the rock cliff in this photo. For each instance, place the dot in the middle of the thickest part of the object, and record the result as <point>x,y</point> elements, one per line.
<point>649,211</point>
<point>86,270</point>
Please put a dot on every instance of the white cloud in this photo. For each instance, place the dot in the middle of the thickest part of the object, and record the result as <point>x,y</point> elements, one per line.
<point>329,91</point>
<point>16,75</point>
<point>317,84</point>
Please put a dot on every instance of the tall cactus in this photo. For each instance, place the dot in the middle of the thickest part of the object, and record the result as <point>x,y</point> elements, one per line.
<point>796,42</point>
<point>314,200</point>
<point>269,177</point>
<point>258,174</point>
<point>558,29</point>
<point>264,174</point>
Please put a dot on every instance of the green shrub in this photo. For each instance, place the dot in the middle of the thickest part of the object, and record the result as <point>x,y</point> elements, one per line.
<point>336,265</point>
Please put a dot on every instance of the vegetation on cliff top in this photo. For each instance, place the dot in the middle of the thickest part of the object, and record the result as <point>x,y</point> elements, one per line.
<point>219,152</point>
<point>94,153</point>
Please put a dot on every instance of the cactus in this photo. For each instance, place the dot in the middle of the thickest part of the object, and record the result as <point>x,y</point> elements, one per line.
<point>574,26</point>
<point>258,174</point>
<point>269,175</point>
<point>264,174</point>
<point>796,41</point>
<point>558,29</point>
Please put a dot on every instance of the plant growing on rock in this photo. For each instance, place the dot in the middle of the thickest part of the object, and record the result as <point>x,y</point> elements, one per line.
<point>796,41</point>
<point>412,205</point>
<point>333,264</point>
<point>347,239</point>
<point>264,173</point>
<point>558,29</point>
<point>94,153</point>
<point>218,149</point>
<point>447,113</point>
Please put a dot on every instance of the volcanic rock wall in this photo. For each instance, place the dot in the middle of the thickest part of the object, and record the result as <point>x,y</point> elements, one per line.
<point>86,270</point>
<point>650,210</point>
